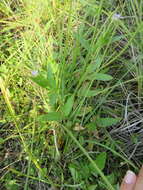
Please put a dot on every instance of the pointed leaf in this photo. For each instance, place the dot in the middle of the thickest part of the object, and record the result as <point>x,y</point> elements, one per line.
<point>53,97</point>
<point>73,172</point>
<point>84,42</point>
<point>88,93</point>
<point>51,116</point>
<point>68,106</point>
<point>99,76</point>
<point>100,161</point>
<point>94,66</point>
<point>107,122</point>
<point>51,77</point>
<point>41,80</point>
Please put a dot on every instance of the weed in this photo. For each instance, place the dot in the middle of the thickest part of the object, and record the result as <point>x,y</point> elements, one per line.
<point>67,69</point>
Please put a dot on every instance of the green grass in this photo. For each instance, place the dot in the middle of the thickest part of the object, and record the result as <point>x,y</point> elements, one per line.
<point>71,83</point>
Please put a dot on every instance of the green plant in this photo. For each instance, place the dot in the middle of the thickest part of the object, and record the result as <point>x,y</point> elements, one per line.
<point>66,71</point>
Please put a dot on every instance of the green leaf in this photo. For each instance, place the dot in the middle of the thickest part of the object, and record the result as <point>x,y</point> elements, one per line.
<point>32,171</point>
<point>68,106</point>
<point>94,66</point>
<point>74,172</point>
<point>41,80</point>
<point>112,178</point>
<point>85,171</point>
<point>2,140</point>
<point>44,79</point>
<point>117,38</point>
<point>81,140</point>
<point>91,126</point>
<point>88,93</point>
<point>99,76</point>
<point>84,110</point>
<point>12,185</point>
<point>100,161</point>
<point>84,42</point>
<point>50,77</point>
<point>107,122</point>
<point>51,116</point>
<point>53,97</point>
<point>92,93</point>
<point>92,187</point>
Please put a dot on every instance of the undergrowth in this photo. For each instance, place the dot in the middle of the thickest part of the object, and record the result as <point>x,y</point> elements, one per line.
<point>71,93</point>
